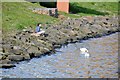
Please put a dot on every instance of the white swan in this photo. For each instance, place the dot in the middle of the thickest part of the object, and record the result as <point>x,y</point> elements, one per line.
<point>85,52</point>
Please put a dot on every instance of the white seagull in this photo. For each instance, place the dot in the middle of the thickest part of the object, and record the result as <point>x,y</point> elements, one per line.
<point>85,52</point>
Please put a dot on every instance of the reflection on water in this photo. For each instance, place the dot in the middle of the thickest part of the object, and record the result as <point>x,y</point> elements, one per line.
<point>68,62</point>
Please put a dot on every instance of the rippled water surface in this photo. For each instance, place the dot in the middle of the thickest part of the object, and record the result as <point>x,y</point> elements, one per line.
<point>68,62</point>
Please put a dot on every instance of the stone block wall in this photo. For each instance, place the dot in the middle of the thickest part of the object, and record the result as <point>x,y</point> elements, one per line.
<point>48,11</point>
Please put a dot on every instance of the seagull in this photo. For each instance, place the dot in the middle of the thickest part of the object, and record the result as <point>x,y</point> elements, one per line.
<point>85,52</point>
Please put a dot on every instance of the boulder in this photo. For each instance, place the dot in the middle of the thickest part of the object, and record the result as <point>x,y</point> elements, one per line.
<point>15,57</point>
<point>37,54</point>
<point>26,56</point>
<point>97,26</point>
<point>33,49</point>
<point>23,39</point>
<point>16,52</point>
<point>5,61</point>
<point>85,30</point>
<point>43,50</point>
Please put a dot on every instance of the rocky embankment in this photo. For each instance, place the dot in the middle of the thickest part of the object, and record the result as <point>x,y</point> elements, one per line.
<point>24,46</point>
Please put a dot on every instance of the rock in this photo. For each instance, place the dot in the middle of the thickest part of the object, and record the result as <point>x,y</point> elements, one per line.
<point>37,54</point>
<point>23,39</point>
<point>97,26</point>
<point>17,52</point>
<point>4,55</point>
<point>6,48</point>
<point>0,57</point>
<point>94,30</point>
<point>15,57</point>
<point>6,61</point>
<point>7,65</point>
<point>44,50</point>
<point>16,47</point>
<point>33,49</point>
<point>26,56</point>
<point>57,46</point>
<point>85,30</point>
<point>73,33</point>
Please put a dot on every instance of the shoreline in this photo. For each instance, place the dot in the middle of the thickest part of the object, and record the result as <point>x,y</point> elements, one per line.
<point>22,46</point>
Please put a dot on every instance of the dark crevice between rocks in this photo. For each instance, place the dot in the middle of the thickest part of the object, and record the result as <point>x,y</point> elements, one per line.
<point>7,66</point>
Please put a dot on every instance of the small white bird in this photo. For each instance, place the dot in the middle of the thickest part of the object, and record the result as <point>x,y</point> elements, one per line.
<point>85,52</point>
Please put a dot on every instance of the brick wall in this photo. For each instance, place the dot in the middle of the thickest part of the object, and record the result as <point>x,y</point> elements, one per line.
<point>63,6</point>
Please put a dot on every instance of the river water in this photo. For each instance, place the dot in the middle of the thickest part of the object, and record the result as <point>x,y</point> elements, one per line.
<point>68,62</point>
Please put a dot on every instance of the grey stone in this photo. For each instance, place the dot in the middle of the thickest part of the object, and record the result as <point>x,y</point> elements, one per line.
<point>33,49</point>
<point>37,54</point>
<point>26,56</point>
<point>16,47</point>
<point>17,52</point>
<point>6,61</point>
<point>23,39</point>
<point>15,57</point>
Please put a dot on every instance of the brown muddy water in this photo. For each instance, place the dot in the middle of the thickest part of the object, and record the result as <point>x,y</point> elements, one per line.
<point>68,62</point>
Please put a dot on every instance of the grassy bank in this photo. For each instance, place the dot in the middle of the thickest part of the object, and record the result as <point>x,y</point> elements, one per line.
<point>94,8</point>
<point>79,9</point>
<point>17,16</point>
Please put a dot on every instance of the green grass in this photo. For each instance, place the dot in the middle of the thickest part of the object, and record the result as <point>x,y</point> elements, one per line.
<point>79,9</point>
<point>17,16</point>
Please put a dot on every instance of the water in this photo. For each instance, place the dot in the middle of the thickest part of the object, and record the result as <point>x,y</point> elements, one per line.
<point>68,62</point>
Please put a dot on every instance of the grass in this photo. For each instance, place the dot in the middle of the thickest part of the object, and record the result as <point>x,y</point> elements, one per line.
<point>78,9</point>
<point>17,16</point>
